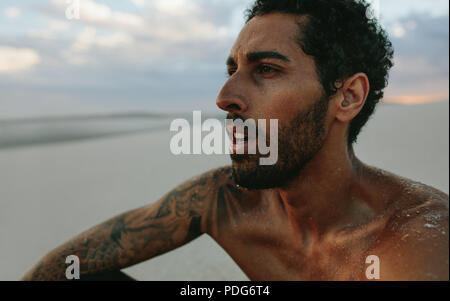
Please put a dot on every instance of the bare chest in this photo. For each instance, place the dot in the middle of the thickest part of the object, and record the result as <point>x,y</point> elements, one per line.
<point>277,260</point>
<point>265,246</point>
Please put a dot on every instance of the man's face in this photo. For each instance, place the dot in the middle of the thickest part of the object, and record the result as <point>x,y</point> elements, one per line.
<point>272,78</point>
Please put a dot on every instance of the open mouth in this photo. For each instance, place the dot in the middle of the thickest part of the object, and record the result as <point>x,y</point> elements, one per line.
<point>242,140</point>
<point>239,138</point>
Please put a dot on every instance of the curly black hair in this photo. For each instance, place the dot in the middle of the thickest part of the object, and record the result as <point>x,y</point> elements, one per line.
<point>343,39</point>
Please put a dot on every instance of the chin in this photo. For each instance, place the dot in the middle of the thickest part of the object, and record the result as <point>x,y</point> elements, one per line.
<point>249,174</point>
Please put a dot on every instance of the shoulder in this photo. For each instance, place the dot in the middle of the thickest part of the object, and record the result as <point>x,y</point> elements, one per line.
<point>206,184</point>
<point>194,197</point>
<point>206,192</point>
<point>225,203</point>
<point>415,242</point>
<point>218,183</point>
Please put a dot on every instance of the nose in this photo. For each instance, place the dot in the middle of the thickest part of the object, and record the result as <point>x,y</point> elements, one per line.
<point>230,100</point>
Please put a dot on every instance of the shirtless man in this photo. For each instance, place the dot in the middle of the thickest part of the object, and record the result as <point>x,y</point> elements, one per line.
<point>319,212</point>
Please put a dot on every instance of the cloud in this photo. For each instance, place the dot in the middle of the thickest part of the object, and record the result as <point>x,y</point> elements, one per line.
<point>43,34</point>
<point>173,58</point>
<point>58,26</point>
<point>12,12</point>
<point>114,40</point>
<point>85,40</point>
<point>17,59</point>
<point>98,14</point>
<point>421,71</point>
<point>139,3</point>
<point>52,29</point>
<point>173,7</point>
<point>418,99</point>
<point>394,10</point>
<point>172,34</point>
<point>89,44</point>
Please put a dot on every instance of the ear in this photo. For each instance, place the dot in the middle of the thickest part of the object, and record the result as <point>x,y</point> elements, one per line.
<point>352,97</point>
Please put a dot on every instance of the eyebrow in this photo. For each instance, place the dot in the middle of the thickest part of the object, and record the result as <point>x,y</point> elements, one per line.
<point>258,56</point>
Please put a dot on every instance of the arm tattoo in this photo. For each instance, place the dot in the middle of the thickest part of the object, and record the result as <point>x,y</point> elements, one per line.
<point>134,236</point>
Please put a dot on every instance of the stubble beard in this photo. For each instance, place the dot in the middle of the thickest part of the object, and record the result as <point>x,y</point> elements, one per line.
<point>298,143</point>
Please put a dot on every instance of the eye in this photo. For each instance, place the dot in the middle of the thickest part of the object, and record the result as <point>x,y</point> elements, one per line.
<point>266,69</point>
<point>231,71</point>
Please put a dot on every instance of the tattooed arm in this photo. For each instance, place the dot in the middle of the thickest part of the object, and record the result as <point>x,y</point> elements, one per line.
<point>136,236</point>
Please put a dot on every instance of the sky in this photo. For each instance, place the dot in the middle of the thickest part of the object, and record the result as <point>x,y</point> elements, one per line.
<point>169,55</point>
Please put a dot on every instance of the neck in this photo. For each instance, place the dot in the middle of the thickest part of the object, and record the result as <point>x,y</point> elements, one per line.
<point>321,198</point>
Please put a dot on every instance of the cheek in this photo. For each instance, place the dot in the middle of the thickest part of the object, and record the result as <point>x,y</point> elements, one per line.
<point>285,102</point>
